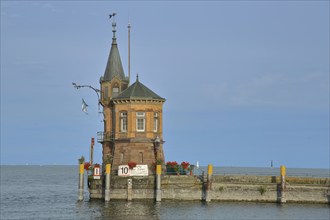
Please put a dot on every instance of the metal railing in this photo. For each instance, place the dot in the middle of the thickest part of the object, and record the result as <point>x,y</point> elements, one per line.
<point>267,171</point>
<point>104,136</point>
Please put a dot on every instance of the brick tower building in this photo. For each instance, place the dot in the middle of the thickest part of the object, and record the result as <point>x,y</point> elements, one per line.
<point>132,117</point>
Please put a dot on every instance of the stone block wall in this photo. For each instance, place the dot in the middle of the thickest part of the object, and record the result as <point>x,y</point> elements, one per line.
<point>223,188</point>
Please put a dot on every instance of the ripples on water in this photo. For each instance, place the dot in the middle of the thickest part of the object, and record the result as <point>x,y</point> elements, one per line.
<point>213,210</point>
<point>50,192</point>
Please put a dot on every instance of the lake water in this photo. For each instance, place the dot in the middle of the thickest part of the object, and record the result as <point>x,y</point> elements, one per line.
<point>51,192</point>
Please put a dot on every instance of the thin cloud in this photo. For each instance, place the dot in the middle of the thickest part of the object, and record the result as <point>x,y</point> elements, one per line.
<point>277,89</point>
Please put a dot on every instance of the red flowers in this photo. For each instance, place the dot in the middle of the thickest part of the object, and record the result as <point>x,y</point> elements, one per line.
<point>185,165</point>
<point>131,165</point>
<point>174,167</point>
<point>87,166</point>
<point>171,164</point>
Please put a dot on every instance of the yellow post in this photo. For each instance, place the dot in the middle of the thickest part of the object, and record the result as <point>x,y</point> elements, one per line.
<point>107,182</point>
<point>282,199</point>
<point>208,183</point>
<point>81,169</point>
<point>283,170</point>
<point>159,169</point>
<point>209,169</point>
<point>108,168</point>
<point>158,183</point>
<point>81,182</point>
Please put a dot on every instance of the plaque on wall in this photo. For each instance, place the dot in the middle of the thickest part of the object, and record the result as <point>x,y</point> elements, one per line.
<point>139,170</point>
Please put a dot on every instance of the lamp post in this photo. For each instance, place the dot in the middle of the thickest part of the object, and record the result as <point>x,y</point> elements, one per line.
<point>157,144</point>
<point>97,91</point>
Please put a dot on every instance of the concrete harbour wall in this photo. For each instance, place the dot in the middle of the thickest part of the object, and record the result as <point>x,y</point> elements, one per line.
<point>223,188</point>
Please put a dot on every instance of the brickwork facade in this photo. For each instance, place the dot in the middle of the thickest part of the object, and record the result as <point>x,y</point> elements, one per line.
<point>125,143</point>
<point>133,117</point>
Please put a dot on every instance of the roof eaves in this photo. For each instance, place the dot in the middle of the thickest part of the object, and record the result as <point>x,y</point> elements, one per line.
<point>131,98</point>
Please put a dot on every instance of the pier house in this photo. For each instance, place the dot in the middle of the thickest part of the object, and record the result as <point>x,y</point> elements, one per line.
<point>133,117</point>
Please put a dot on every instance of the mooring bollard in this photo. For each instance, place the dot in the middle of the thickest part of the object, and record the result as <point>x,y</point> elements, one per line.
<point>158,183</point>
<point>129,189</point>
<point>81,182</point>
<point>107,182</point>
<point>283,185</point>
<point>209,183</point>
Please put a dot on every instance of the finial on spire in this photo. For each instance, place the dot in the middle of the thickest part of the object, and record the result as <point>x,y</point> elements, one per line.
<point>137,76</point>
<point>113,24</point>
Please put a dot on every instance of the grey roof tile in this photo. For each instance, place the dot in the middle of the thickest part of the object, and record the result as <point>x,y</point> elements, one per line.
<point>114,65</point>
<point>138,91</point>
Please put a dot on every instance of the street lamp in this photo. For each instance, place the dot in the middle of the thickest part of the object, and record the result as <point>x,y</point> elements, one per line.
<point>157,144</point>
<point>97,91</point>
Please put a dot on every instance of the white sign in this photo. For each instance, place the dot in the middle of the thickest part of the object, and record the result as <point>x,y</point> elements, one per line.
<point>123,170</point>
<point>96,171</point>
<point>139,170</point>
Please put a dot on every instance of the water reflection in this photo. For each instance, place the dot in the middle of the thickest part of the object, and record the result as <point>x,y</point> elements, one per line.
<point>121,209</point>
<point>169,209</point>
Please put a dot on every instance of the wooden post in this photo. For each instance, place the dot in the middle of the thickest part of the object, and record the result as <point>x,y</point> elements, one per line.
<point>129,190</point>
<point>81,183</point>
<point>209,183</point>
<point>158,183</point>
<point>107,182</point>
<point>283,185</point>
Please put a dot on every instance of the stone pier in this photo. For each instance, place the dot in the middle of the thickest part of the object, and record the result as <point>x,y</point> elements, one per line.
<point>224,188</point>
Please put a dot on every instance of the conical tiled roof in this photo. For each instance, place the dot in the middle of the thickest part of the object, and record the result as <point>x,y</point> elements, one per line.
<point>114,65</point>
<point>138,91</point>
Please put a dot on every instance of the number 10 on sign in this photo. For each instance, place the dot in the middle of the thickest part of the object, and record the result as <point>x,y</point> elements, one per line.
<point>123,170</point>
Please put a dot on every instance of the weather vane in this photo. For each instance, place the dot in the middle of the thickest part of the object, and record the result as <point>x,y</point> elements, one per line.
<point>113,23</point>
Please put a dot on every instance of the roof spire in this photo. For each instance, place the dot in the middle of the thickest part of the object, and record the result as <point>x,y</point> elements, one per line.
<point>137,76</point>
<point>113,26</point>
<point>114,66</point>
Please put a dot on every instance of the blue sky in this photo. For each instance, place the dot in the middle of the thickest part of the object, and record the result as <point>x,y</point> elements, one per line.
<point>246,82</point>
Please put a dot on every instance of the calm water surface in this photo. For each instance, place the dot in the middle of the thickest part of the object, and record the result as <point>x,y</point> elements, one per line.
<point>50,192</point>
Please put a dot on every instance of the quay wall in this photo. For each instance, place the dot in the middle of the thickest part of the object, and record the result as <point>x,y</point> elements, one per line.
<point>223,188</point>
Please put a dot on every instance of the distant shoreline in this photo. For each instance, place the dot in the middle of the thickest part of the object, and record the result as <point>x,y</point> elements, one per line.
<point>218,170</point>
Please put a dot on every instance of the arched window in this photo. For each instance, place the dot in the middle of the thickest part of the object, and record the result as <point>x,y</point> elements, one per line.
<point>121,157</point>
<point>106,93</point>
<point>155,121</point>
<point>140,121</point>
<point>141,157</point>
<point>123,121</point>
<point>115,90</point>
